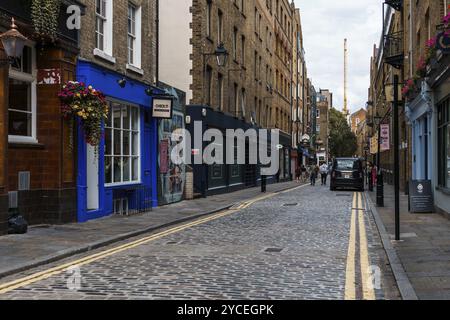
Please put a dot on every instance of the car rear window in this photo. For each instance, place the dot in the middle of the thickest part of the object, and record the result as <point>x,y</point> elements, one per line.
<point>347,165</point>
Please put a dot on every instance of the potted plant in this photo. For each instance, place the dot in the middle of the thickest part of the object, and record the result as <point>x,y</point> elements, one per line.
<point>88,105</point>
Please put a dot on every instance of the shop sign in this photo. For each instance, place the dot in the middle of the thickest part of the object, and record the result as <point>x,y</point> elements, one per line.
<point>374,144</point>
<point>385,137</point>
<point>49,76</point>
<point>421,196</point>
<point>162,108</point>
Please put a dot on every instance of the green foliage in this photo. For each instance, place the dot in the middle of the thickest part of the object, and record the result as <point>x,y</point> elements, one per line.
<point>44,14</point>
<point>343,142</point>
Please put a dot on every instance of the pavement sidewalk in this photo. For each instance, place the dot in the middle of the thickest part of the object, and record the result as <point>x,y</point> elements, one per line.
<point>42,245</point>
<point>422,258</point>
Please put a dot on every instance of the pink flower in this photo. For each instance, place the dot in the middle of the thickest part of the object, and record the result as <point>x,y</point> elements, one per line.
<point>431,43</point>
<point>446,19</point>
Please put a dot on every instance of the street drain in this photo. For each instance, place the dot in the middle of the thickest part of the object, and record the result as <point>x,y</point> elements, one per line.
<point>273,250</point>
<point>290,204</point>
<point>172,242</point>
<point>343,195</point>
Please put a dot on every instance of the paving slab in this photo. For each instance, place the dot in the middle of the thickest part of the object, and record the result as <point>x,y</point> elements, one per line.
<point>425,257</point>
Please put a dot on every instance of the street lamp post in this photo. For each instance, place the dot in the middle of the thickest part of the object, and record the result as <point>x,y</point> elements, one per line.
<point>221,55</point>
<point>396,159</point>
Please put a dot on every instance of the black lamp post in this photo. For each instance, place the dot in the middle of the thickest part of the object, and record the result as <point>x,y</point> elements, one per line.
<point>13,42</point>
<point>221,55</point>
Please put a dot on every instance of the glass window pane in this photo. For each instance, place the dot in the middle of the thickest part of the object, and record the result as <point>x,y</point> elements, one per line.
<point>27,60</point>
<point>19,95</point>
<point>135,169</point>
<point>116,116</point>
<point>117,170</point>
<point>135,118</point>
<point>19,124</point>
<point>448,156</point>
<point>117,142</point>
<point>126,169</point>
<point>108,141</point>
<point>126,117</point>
<point>135,144</point>
<point>108,170</point>
<point>126,143</point>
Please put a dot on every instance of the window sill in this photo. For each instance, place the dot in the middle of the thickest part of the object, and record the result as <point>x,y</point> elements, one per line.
<point>135,69</point>
<point>103,55</point>
<point>23,143</point>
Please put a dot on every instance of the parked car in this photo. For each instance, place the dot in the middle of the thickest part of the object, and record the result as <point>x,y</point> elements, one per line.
<point>347,173</point>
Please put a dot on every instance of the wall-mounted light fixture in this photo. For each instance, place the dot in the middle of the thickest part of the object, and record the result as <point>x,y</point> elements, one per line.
<point>122,82</point>
<point>13,42</point>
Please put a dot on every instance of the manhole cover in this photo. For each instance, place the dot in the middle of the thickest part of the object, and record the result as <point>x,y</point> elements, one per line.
<point>290,204</point>
<point>273,250</point>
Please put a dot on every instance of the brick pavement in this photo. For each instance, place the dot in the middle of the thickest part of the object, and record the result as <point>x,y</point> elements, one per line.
<point>48,243</point>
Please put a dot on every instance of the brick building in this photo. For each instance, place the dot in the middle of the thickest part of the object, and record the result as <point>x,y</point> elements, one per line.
<point>254,89</point>
<point>37,165</point>
<point>356,118</point>
<point>324,104</point>
<point>413,47</point>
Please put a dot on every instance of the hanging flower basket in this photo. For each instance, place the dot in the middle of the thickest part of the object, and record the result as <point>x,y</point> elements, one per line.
<point>88,105</point>
<point>45,17</point>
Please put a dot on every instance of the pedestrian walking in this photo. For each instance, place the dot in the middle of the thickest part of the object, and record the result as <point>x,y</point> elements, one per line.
<point>324,173</point>
<point>298,174</point>
<point>314,174</point>
<point>304,174</point>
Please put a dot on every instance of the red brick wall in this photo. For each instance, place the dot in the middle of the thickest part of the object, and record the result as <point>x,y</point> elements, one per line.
<point>51,162</point>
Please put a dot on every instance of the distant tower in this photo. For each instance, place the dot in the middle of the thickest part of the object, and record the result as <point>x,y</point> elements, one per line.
<point>346,111</point>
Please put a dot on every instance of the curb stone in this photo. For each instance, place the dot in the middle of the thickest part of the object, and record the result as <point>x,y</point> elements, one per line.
<point>60,255</point>
<point>404,285</point>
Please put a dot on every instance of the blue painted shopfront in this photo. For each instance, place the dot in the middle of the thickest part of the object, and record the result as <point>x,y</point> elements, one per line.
<point>96,197</point>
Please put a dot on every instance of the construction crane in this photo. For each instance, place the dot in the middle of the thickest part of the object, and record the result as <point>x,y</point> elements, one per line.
<point>346,111</point>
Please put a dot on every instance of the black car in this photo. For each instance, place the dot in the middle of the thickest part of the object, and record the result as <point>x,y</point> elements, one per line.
<point>347,173</point>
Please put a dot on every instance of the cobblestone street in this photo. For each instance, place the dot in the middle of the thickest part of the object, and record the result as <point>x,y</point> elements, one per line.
<point>293,245</point>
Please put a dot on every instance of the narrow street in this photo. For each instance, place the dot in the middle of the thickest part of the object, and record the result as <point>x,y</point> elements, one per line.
<point>305,243</point>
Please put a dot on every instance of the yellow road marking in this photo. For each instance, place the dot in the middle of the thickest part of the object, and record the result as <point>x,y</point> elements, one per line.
<point>350,277</point>
<point>36,277</point>
<point>368,291</point>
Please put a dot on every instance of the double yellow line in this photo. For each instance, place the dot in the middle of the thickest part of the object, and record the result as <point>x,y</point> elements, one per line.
<point>357,218</point>
<point>39,276</point>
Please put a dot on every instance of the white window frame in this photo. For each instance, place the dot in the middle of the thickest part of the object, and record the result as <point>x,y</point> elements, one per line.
<point>112,156</point>
<point>107,52</point>
<point>32,79</point>
<point>137,39</point>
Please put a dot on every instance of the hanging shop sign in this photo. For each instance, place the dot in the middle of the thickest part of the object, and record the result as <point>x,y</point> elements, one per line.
<point>162,108</point>
<point>385,137</point>
<point>374,144</point>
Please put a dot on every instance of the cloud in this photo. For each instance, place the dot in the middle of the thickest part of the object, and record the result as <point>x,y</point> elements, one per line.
<point>325,24</point>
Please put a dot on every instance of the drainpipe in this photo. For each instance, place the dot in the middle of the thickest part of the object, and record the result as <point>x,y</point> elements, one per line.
<point>157,44</point>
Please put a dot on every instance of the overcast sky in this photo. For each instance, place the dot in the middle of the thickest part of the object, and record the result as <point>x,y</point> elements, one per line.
<point>326,23</point>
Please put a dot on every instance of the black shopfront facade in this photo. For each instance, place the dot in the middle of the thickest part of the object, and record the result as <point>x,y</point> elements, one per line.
<point>221,178</point>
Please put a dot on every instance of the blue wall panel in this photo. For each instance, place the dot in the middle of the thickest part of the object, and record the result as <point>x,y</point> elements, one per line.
<point>134,93</point>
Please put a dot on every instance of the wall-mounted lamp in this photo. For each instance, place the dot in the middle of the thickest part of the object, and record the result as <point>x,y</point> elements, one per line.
<point>13,42</point>
<point>204,112</point>
<point>188,119</point>
<point>122,82</point>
